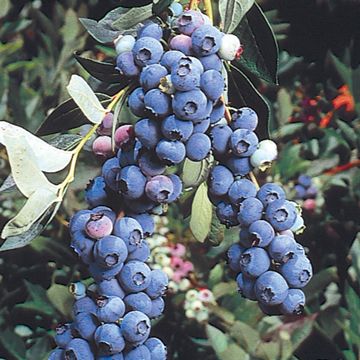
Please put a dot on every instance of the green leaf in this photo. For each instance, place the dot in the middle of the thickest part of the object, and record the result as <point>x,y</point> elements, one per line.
<point>355,255</point>
<point>13,344</point>
<point>243,93</point>
<point>132,3</point>
<point>347,132</point>
<point>219,340</point>
<point>245,336</point>
<point>40,349</point>
<point>285,108</point>
<point>201,214</point>
<point>302,331</point>
<point>160,6</point>
<point>4,7</point>
<point>217,231</point>
<point>260,55</point>
<point>195,172</point>
<point>224,288</point>
<point>61,299</point>
<point>86,99</point>
<point>67,116</point>
<point>71,28</point>
<point>133,17</point>
<point>100,32</point>
<point>268,350</point>
<point>288,131</point>
<point>215,275</point>
<point>102,71</point>
<point>222,313</point>
<point>353,302</point>
<point>232,11</point>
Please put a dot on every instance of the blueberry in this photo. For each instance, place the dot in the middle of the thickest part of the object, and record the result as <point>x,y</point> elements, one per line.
<point>151,75</point>
<point>139,302</point>
<point>130,231</point>
<point>125,63</point>
<point>106,211</point>
<point>304,180</point>
<point>124,43</point>
<point>100,273</point>
<point>175,129</point>
<point>158,284</point>
<point>230,47</point>
<point>190,105</point>
<point>110,288</point>
<point>233,254</point>
<point>139,353</point>
<point>170,58</point>
<point>297,271</point>
<point>63,335</point>
<point>244,237</point>
<point>136,102</point>
<point>85,324</point>
<point>118,356</point>
<point>227,214</point>
<point>261,159</point>
<point>243,142</point>
<point>240,190</point>
<point>254,262</point>
<point>176,9</point>
<point>192,61</point>
<point>181,43</point>
<point>135,276</point>
<point>150,164</point>
<point>102,147</point>
<point>110,251</point>
<point>147,223</point>
<point>300,192</point>
<point>78,349</point>
<point>218,112</point>
<point>84,304</point>
<point>83,246</point>
<point>220,180</point>
<point>141,253</point>
<point>95,193</point>
<point>244,118</point>
<point>148,132</point>
<point>170,152</point>
<point>109,339</point>
<point>135,327</point>
<point>270,310</point>
<point>198,147</point>
<point>130,156</point>
<point>78,221</point>
<point>261,233</point>
<point>124,137</point>
<point>282,248</point>
<point>202,125</point>
<point>110,171</point>
<point>294,302</point>
<point>250,210</point>
<point>150,29</point>
<point>159,188</point>
<point>206,40</point>
<point>110,308</point>
<point>189,21</point>
<point>157,308</point>
<point>212,84</point>
<point>220,135</point>
<point>281,214</point>
<point>99,226</point>
<point>270,192</point>
<point>57,354</point>
<point>211,62</point>
<point>239,166</point>
<point>271,288</point>
<point>178,188</point>
<point>131,182</point>
<point>246,286</point>
<point>185,76</point>
<point>157,348</point>
<point>140,206</point>
<point>157,102</point>
<point>147,51</point>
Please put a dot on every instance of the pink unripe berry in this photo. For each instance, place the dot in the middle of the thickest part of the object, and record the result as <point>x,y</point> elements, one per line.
<point>99,226</point>
<point>124,136</point>
<point>309,204</point>
<point>230,47</point>
<point>102,146</point>
<point>105,127</point>
<point>182,43</point>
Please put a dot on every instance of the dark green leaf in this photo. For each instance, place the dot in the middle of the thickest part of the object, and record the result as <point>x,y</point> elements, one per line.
<point>132,3</point>
<point>67,116</point>
<point>41,348</point>
<point>260,54</point>
<point>99,32</point>
<point>160,5</point>
<point>132,17</point>
<point>244,93</point>
<point>347,132</point>
<point>101,70</point>
<point>232,11</point>
<point>13,344</point>
<point>217,231</point>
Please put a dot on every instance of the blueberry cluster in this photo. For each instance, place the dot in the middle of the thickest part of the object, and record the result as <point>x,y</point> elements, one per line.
<point>113,320</point>
<point>196,304</point>
<point>305,189</point>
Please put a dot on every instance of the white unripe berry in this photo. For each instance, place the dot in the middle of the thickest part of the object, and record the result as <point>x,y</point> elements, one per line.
<point>230,46</point>
<point>124,43</point>
<point>270,147</point>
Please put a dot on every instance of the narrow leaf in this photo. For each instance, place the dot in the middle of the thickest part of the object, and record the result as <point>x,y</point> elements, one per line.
<point>133,17</point>
<point>61,299</point>
<point>201,214</point>
<point>86,99</point>
<point>98,31</point>
<point>195,172</point>
<point>232,11</point>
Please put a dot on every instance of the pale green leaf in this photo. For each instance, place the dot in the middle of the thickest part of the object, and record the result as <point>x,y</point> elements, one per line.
<point>224,288</point>
<point>33,209</point>
<point>195,172</point>
<point>86,99</point>
<point>71,28</point>
<point>245,335</point>
<point>232,11</point>
<point>61,299</point>
<point>133,17</point>
<point>219,340</point>
<point>201,214</point>
<point>47,157</point>
<point>4,7</point>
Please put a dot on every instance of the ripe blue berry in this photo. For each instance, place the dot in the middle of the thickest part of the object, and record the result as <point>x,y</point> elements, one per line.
<point>150,29</point>
<point>110,308</point>
<point>85,324</point>
<point>109,339</point>
<point>294,302</point>
<point>244,118</point>
<point>212,84</point>
<point>78,349</point>
<point>148,132</point>
<point>271,288</point>
<point>250,210</point>
<point>246,286</point>
<point>110,251</point>
<point>159,188</point>
<point>181,43</point>
<point>240,190</point>
<point>135,276</point>
<point>63,335</point>
<point>151,75</point>
<point>84,304</point>
<point>147,51</point>
<point>139,302</point>
<point>136,102</point>
<point>220,180</point>
<point>157,308</point>
<point>270,192</point>
<point>130,231</point>
<point>217,112</point>
<point>147,223</point>
<point>175,129</point>
<point>110,288</point>
<point>157,348</point>
<point>135,327</point>
<point>158,284</point>
<point>110,171</point>
<point>220,135</point>
<point>141,253</point>
<point>297,271</point>
<point>131,182</point>
<point>150,164</point>
<point>281,215</point>
<point>78,221</point>
<point>198,147</point>
<point>254,261</point>
<point>282,248</point>
<point>189,21</point>
<point>125,63</point>
<point>57,354</point>
<point>190,105</point>
<point>185,76</point>
<point>261,233</point>
<point>171,58</point>
<point>95,193</point>
<point>139,353</point>
<point>83,246</point>
<point>157,102</point>
<point>243,142</point>
<point>170,152</point>
<point>239,166</point>
<point>178,188</point>
<point>234,253</point>
<point>211,62</point>
<point>206,40</point>
<point>227,214</point>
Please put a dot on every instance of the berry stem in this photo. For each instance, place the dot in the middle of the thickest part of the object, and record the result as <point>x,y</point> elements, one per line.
<point>193,4</point>
<point>342,168</point>
<point>76,152</point>
<point>254,180</point>
<point>208,10</point>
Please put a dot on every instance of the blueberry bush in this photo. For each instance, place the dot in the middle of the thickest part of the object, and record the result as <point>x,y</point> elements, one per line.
<point>166,202</point>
